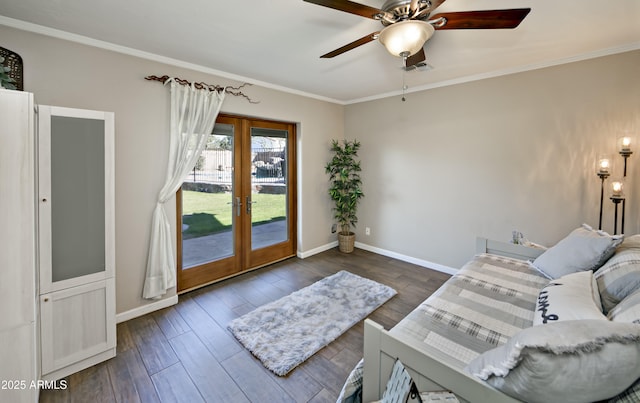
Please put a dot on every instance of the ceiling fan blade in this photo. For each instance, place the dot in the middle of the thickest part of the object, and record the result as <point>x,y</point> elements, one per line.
<point>365,39</point>
<point>426,11</point>
<point>414,59</point>
<point>485,19</point>
<point>418,61</point>
<point>435,4</point>
<point>349,7</point>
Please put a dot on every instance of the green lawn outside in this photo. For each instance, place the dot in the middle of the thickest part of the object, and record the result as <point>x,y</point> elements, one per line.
<point>208,213</point>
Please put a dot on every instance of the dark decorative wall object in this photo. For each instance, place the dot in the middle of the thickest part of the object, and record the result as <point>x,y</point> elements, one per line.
<point>13,61</point>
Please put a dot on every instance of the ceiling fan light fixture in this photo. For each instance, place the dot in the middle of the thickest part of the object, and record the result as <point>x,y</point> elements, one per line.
<point>405,38</point>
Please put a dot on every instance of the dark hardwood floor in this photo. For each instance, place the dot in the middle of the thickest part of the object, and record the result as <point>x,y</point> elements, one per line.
<point>186,354</point>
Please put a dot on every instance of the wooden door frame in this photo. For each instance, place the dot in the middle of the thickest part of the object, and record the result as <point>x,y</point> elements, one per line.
<point>199,276</point>
<point>247,259</point>
<point>261,257</point>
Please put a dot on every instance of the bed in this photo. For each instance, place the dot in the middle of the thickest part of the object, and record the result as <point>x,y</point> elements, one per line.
<point>498,289</point>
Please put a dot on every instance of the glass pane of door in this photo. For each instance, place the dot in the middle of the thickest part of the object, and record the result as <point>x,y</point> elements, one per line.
<point>208,205</point>
<point>269,187</point>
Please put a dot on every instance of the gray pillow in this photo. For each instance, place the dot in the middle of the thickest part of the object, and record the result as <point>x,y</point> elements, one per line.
<point>570,361</point>
<point>628,310</point>
<point>620,276</point>
<point>583,249</point>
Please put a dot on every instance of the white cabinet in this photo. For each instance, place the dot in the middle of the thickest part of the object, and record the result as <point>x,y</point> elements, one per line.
<point>58,233</point>
<point>18,364</point>
<point>76,239</point>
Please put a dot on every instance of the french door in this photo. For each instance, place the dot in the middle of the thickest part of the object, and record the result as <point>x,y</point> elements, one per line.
<point>237,208</point>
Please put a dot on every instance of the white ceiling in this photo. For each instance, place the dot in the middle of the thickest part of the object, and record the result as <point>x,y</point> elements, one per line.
<point>277,43</point>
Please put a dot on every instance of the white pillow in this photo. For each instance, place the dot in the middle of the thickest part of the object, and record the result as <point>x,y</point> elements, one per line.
<point>571,361</point>
<point>583,249</point>
<point>571,297</point>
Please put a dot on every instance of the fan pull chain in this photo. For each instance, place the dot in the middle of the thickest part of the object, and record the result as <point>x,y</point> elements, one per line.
<point>404,86</point>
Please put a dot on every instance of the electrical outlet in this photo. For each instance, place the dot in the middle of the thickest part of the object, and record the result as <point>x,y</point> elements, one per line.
<point>334,228</point>
<point>367,231</point>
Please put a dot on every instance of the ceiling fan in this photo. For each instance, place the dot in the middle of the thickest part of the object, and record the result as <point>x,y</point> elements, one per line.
<point>408,24</point>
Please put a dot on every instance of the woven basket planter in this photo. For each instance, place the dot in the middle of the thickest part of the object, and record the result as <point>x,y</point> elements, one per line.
<point>346,242</point>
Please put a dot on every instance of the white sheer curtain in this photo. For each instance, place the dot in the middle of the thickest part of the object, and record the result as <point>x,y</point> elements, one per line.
<point>193,115</point>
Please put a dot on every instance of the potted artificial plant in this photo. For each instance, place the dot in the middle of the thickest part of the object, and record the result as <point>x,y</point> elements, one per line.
<point>345,189</point>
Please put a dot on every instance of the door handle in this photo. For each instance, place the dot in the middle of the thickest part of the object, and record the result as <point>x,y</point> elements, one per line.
<point>237,205</point>
<point>249,203</point>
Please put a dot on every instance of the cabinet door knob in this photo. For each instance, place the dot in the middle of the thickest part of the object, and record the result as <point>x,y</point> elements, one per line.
<point>44,200</point>
<point>46,300</point>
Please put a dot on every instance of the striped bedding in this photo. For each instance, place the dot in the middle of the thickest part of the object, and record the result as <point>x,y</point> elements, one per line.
<point>485,303</point>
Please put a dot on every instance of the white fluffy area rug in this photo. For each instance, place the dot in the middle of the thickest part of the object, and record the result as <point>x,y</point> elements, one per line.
<point>284,333</point>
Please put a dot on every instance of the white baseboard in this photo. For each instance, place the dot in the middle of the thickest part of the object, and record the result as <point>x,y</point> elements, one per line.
<point>408,259</point>
<point>383,252</point>
<point>315,251</point>
<point>145,309</point>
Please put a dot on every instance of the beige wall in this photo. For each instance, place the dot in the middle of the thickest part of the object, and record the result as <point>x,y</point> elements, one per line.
<point>482,158</point>
<point>487,157</point>
<point>69,74</point>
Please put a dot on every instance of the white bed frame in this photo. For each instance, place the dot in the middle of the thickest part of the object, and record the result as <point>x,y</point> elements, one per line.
<point>430,373</point>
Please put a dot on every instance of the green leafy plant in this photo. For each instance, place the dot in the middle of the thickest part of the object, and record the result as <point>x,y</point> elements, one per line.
<point>6,81</point>
<point>345,184</point>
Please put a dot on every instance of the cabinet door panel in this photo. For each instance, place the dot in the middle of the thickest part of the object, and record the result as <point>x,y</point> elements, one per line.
<point>77,323</point>
<point>76,239</point>
<point>76,197</point>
